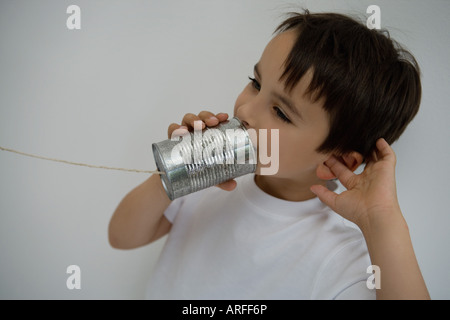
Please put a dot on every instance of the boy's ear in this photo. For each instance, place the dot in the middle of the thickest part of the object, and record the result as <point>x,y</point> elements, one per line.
<point>352,160</point>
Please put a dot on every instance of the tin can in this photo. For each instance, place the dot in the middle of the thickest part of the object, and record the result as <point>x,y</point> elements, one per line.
<point>205,158</point>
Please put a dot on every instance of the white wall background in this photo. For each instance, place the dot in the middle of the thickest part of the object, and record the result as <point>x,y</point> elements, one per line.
<point>104,93</point>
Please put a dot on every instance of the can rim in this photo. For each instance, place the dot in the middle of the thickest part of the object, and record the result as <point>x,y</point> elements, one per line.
<point>160,165</point>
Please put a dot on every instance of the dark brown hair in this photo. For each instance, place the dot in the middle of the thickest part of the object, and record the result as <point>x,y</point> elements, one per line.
<point>371,84</point>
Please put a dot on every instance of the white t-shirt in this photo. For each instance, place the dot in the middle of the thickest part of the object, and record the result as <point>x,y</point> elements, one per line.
<point>247,244</point>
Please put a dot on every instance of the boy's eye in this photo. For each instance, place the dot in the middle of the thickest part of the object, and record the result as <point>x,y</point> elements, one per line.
<point>255,83</point>
<point>281,115</point>
<point>277,110</point>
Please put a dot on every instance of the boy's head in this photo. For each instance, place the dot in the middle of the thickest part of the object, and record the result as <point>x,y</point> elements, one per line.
<point>350,85</point>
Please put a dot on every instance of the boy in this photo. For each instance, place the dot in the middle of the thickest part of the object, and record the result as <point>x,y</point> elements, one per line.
<point>332,88</point>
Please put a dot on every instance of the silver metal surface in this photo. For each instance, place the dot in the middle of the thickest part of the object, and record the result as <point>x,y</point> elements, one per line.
<point>198,161</point>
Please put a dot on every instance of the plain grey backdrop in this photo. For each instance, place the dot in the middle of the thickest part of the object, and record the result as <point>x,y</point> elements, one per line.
<point>103,94</point>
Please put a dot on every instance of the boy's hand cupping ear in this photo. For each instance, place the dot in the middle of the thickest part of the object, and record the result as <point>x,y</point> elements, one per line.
<point>369,195</point>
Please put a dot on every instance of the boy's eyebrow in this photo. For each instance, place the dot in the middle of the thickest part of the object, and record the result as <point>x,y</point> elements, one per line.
<point>284,99</point>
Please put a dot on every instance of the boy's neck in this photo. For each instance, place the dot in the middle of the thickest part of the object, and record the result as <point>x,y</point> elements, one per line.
<point>287,189</point>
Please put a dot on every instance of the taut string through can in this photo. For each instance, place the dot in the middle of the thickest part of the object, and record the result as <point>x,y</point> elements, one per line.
<point>199,160</point>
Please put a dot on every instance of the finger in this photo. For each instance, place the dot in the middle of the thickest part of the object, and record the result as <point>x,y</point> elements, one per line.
<point>189,120</point>
<point>222,116</point>
<point>344,174</point>
<point>385,151</point>
<point>209,118</point>
<point>326,196</point>
<point>227,185</point>
<point>175,130</point>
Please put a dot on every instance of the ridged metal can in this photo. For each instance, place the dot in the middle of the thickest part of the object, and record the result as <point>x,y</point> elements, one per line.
<point>202,159</point>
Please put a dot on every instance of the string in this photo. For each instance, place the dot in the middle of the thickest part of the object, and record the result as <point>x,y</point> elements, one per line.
<point>78,163</point>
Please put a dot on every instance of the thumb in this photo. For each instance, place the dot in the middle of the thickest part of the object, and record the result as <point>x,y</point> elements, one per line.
<point>227,185</point>
<point>326,196</point>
